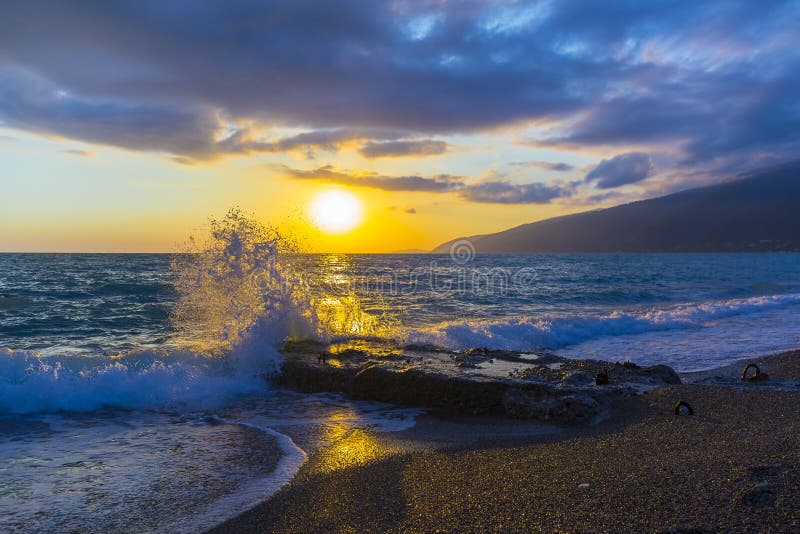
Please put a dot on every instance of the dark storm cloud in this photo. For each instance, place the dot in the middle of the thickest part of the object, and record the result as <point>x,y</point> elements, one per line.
<point>622,169</point>
<point>324,65</point>
<point>402,148</point>
<point>32,103</point>
<point>715,79</point>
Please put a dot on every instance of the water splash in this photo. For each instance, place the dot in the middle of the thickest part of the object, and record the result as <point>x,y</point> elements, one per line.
<point>232,280</point>
<point>242,284</point>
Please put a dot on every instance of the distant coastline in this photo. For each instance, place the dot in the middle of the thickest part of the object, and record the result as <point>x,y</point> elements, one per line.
<point>759,212</point>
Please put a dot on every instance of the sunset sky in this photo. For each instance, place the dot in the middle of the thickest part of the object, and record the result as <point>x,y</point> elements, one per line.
<point>125,125</point>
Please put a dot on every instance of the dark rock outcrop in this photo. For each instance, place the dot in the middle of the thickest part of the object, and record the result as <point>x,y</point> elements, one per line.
<point>543,387</point>
<point>567,406</point>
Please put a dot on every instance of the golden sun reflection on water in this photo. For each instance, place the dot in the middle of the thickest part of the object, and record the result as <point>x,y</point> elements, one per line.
<point>338,307</point>
<point>343,314</point>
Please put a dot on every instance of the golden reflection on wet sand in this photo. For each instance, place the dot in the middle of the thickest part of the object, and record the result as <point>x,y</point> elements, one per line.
<point>350,447</point>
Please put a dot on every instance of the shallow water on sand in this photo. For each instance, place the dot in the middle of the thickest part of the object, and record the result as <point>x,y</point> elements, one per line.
<point>154,470</point>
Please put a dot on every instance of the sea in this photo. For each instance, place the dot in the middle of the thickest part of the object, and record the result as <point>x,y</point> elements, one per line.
<point>136,390</point>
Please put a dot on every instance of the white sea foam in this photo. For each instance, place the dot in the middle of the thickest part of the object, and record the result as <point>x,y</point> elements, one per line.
<point>32,383</point>
<point>256,490</point>
<point>531,333</point>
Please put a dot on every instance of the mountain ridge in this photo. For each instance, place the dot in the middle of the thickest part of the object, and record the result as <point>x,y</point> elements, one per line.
<point>758,211</point>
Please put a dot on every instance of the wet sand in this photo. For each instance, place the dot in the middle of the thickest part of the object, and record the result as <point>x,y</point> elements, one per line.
<point>732,466</point>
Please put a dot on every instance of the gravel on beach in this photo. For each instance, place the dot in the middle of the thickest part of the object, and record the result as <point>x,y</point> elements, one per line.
<point>732,466</point>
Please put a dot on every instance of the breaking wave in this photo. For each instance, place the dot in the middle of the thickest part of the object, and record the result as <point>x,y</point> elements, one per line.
<point>33,383</point>
<point>242,282</point>
<point>532,333</point>
<point>239,299</point>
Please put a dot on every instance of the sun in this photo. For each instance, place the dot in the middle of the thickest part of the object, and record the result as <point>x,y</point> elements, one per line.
<point>336,211</point>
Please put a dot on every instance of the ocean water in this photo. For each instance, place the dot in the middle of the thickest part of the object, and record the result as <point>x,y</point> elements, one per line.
<point>135,390</point>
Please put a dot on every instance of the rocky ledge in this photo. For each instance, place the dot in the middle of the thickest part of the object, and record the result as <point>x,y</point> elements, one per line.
<point>473,382</point>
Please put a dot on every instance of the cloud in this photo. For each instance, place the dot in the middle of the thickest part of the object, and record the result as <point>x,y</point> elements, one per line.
<point>375,143</point>
<point>402,148</point>
<point>495,191</point>
<point>330,140</point>
<point>76,152</point>
<point>35,104</point>
<point>411,211</point>
<point>324,66</point>
<point>605,197</point>
<point>546,165</point>
<point>174,78</point>
<point>246,141</point>
<point>435,184</point>
<point>500,192</point>
<point>622,169</point>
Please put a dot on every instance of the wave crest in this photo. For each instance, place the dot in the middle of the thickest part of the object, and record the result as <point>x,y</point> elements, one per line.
<point>32,383</point>
<point>541,333</point>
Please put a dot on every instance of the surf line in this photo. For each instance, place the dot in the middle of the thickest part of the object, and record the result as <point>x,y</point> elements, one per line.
<point>255,491</point>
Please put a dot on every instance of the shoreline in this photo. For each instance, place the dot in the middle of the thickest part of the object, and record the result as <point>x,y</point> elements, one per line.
<point>783,365</point>
<point>734,465</point>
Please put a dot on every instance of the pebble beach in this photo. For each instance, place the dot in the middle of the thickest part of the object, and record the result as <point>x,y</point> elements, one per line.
<point>732,466</point>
